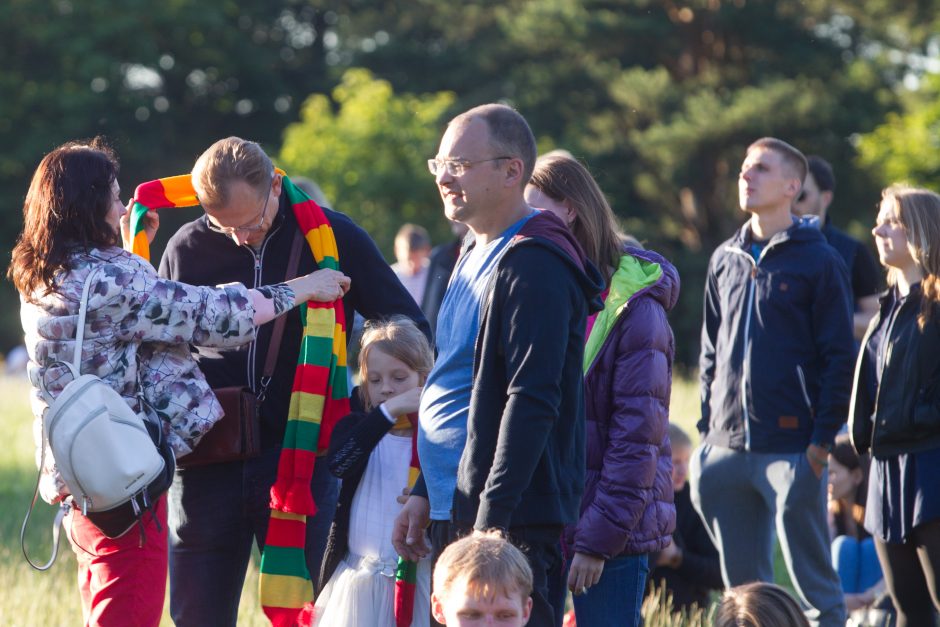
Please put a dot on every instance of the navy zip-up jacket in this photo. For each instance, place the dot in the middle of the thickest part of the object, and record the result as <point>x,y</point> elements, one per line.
<point>777,349</point>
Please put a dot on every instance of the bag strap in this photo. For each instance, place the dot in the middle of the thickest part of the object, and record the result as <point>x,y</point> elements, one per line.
<point>293,262</point>
<point>75,366</point>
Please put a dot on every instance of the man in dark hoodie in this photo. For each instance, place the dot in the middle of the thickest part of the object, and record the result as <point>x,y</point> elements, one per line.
<point>501,437</point>
<point>776,370</point>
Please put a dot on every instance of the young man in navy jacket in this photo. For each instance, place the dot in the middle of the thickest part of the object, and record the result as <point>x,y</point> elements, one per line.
<point>776,370</point>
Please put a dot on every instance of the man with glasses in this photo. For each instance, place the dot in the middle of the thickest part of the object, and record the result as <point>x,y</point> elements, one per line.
<point>815,199</point>
<point>501,423</point>
<point>217,510</point>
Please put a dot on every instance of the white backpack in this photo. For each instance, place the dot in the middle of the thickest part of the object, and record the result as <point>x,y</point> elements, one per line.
<point>115,462</point>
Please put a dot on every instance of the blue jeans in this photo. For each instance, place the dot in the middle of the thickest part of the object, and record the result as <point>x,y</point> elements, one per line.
<point>856,562</point>
<point>617,598</point>
<point>215,513</point>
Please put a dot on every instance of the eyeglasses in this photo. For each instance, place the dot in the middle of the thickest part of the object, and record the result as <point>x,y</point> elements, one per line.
<point>455,167</point>
<point>247,228</point>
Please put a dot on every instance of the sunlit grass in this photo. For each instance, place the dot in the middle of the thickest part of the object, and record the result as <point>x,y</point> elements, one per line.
<point>29,598</point>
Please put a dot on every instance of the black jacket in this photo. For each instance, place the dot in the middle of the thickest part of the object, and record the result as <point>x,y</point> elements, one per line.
<point>523,463</point>
<point>777,346</point>
<point>199,256</point>
<point>354,438</point>
<point>906,405</point>
<point>440,266</point>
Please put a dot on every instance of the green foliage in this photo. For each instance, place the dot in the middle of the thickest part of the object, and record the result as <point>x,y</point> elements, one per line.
<point>906,148</point>
<point>370,155</point>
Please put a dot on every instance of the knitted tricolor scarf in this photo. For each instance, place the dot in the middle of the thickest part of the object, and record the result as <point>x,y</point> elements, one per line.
<point>320,397</point>
<point>407,571</point>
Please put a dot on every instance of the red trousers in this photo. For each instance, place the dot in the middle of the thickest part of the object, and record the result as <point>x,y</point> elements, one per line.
<point>122,581</point>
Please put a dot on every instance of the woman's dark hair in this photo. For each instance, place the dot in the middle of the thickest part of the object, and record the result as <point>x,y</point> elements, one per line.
<point>66,208</point>
<point>844,453</point>
<point>759,604</point>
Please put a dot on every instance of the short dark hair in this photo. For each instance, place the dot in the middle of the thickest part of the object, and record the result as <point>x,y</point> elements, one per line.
<point>791,155</point>
<point>821,170</point>
<point>509,133</point>
<point>66,208</point>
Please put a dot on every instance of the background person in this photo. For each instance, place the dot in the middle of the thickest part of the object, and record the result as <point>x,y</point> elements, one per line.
<point>689,566</point>
<point>412,247</point>
<point>853,549</point>
<point>627,510</point>
<point>775,369</point>
<point>815,198</point>
<point>72,219</point>
<point>896,404</point>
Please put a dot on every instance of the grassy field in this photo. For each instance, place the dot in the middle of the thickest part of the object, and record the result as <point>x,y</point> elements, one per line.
<point>29,598</point>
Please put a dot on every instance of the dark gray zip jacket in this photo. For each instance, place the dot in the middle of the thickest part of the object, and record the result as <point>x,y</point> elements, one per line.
<point>199,256</point>
<point>777,346</point>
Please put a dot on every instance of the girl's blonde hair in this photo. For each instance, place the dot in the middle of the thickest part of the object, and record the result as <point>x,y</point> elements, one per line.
<point>919,212</point>
<point>397,337</point>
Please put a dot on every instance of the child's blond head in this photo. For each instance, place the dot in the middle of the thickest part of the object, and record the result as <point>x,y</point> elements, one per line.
<point>486,565</point>
<point>397,337</point>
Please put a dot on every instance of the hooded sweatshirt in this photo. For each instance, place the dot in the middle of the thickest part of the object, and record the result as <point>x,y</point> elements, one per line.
<point>523,463</point>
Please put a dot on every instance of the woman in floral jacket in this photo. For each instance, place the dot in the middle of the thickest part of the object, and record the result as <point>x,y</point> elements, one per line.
<point>138,330</point>
<point>627,510</point>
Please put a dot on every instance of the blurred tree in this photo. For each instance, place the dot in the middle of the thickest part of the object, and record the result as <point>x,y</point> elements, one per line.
<point>370,156</point>
<point>906,148</point>
<point>658,97</point>
<point>162,80</point>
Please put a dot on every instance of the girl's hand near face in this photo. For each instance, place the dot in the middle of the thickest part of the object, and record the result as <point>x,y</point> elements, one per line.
<point>404,403</point>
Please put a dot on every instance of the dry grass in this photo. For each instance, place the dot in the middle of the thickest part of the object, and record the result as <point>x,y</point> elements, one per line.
<point>29,598</point>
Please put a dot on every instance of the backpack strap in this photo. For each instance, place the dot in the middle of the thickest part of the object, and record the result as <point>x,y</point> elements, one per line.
<point>75,366</point>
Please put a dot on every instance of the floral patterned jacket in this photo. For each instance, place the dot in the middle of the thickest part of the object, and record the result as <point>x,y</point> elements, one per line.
<point>138,330</point>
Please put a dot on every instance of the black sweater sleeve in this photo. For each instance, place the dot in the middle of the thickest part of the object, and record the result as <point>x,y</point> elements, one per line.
<point>353,439</point>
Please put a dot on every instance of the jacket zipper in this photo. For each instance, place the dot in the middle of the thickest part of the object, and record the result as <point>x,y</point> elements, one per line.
<point>802,378</point>
<point>746,364</point>
<point>886,345</point>
<point>258,265</point>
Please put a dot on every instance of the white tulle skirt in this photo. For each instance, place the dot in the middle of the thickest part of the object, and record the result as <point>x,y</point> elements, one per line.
<point>362,592</point>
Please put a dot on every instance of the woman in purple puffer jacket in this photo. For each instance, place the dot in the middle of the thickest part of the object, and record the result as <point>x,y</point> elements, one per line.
<point>627,510</point>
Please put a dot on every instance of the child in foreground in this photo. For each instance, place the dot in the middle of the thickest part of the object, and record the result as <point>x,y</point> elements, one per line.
<point>373,452</point>
<point>482,579</point>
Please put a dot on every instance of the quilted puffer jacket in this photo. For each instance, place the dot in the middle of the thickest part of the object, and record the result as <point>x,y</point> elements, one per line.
<point>628,508</point>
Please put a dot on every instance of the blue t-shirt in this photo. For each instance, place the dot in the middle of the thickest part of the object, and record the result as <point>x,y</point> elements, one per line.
<point>445,403</point>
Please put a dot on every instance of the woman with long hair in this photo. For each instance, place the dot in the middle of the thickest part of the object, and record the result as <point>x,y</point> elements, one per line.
<point>627,510</point>
<point>895,411</point>
<point>137,336</point>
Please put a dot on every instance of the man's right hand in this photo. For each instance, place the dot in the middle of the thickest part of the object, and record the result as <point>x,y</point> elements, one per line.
<point>408,531</point>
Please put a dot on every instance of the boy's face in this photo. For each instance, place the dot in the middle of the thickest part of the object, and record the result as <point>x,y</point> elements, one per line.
<point>461,608</point>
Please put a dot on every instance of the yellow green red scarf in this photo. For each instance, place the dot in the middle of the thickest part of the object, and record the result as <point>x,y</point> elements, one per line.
<point>319,399</point>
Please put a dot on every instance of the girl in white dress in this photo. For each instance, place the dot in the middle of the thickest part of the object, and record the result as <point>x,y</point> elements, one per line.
<point>373,450</point>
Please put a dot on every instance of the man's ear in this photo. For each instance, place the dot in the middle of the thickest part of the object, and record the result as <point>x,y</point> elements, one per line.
<point>793,187</point>
<point>276,185</point>
<point>437,608</point>
<point>514,171</point>
<point>526,610</point>
<point>826,199</point>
